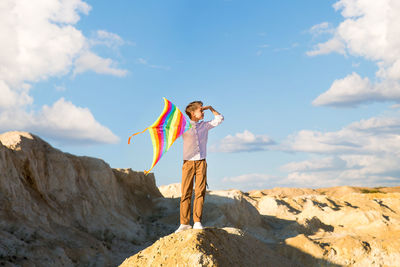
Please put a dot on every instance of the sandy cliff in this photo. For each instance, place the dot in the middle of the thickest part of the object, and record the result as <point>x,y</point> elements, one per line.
<point>58,209</point>
<point>337,226</point>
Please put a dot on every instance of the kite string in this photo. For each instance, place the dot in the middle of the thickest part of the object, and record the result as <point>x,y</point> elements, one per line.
<point>129,140</point>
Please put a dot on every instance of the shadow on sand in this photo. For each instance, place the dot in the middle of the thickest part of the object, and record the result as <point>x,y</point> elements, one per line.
<point>217,212</point>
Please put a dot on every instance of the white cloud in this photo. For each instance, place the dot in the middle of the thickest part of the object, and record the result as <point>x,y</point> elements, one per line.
<point>246,178</point>
<point>90,61</point>
<point>357,170</point>
<point>347,92</point>
<point>63,121</point>
<point>60,88</point>
<point>319,164</point>
<point>14,98</point>
<point>318,142</point>
<point>322,28</point>
<point>351,170</point>
<point>333,45</point>
<point>365,152</point>
<point>108,39</point>
<point>369,30</point>
<point>64,11</point>
<point>294,45</point>
<point>395,106</point>
<point>39,41</point>
<point>66,121</point>
<point>375,135</point>
<point>313,179</point>
<point>143,61</point>
<point>250,181</point>
<point>243,142</point>
<point>37,45</point>
<point>354,90</point>
<point>377,125</point>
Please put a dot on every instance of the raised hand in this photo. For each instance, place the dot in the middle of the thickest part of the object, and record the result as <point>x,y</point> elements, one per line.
<point>210,108</point>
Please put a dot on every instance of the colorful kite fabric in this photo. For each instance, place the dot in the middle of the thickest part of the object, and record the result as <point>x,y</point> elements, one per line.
<point>165,130</point>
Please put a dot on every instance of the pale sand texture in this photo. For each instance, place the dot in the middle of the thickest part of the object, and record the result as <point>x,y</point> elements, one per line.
<point>58,209</point>
<point>208,247</point>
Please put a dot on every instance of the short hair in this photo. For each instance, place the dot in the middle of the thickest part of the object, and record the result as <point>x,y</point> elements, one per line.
<point>192,107</point>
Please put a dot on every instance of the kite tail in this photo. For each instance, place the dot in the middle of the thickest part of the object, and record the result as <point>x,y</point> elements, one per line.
<point>129,140</point>
<point>147,172</point>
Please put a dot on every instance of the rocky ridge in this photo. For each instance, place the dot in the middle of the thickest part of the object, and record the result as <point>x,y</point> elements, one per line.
<point>336,226</point>
<point>63,210</point>
<point>208,247</point>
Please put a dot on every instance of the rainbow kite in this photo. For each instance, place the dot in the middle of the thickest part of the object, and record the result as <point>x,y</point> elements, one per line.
<point>165,130</point>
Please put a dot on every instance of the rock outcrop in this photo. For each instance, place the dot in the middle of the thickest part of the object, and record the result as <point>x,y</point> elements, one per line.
<point>58,209</point>
<point>208,247</point>
<point>337,226</point>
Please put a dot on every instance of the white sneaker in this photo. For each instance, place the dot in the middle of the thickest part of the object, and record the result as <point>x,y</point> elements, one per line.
<point>183,227</point>
<point>197,225</point>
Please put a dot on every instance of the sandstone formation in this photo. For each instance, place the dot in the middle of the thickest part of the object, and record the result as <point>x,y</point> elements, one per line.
<point>208,247</point>
<point>171,190</point>
<point>58,209</point>
<point>337,226</point>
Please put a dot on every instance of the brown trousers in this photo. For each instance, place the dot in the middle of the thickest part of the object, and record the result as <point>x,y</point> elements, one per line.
<point>191,169</point>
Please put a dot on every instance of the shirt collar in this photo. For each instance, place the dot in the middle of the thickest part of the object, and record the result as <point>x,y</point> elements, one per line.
<point>193,122</point>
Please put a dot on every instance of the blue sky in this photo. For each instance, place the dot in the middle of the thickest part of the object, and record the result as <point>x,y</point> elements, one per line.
<point>309,90</point>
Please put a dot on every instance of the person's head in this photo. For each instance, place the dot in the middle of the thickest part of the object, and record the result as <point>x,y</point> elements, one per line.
<point>194,110</point>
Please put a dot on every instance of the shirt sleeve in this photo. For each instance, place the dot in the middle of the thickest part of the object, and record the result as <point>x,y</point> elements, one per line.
<point>215,122</point>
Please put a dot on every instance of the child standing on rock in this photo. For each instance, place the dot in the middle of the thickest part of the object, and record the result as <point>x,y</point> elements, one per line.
<point>194,163</point>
